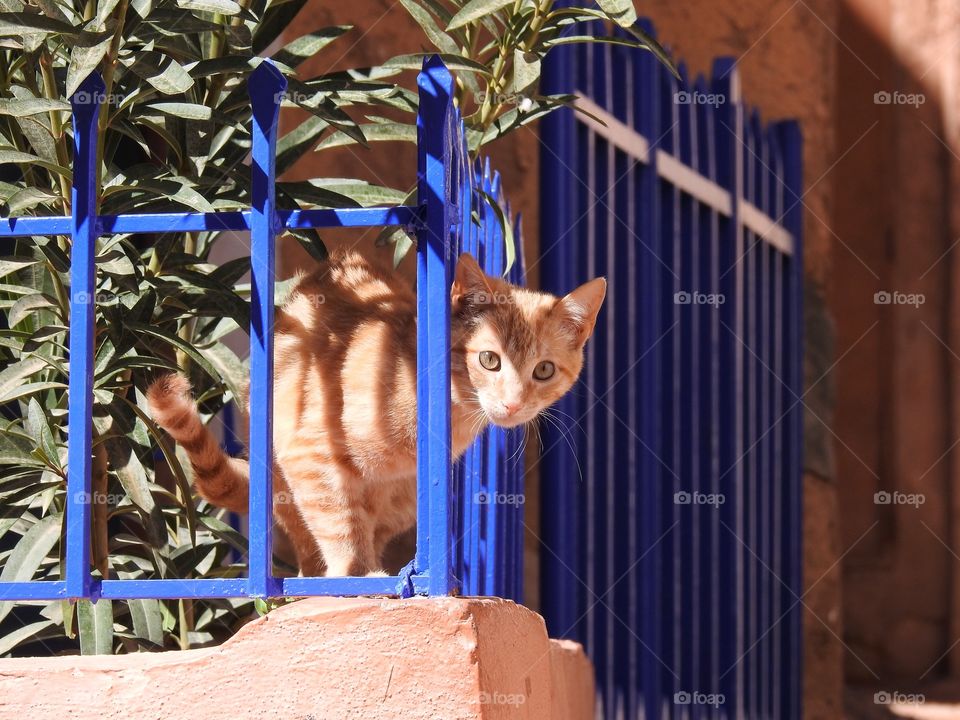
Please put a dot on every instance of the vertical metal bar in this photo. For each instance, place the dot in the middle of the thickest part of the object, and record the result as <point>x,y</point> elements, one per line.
<point>728,131</point>
<point>471,461</point>
<point>433,327</point>
<point>654,319</point>
<point>621,354</point>
<point>792,144</point>
<point>710,381</point>
<point>765,477</point>
<point>560,516</point>
<point>86,168</point>
<point>266,87</point>
<point>775,209</point>
<point>594,366</point>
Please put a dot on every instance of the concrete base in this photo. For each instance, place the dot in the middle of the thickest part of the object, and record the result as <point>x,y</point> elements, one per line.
<point>329,659</point>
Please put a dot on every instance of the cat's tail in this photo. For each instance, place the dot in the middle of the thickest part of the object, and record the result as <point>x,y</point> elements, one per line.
<point>219,478</point>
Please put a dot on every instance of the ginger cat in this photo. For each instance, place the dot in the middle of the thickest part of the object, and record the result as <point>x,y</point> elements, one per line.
<point>345,411</point>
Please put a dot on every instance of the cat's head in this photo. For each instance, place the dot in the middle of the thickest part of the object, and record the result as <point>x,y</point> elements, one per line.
<point>523,349</point>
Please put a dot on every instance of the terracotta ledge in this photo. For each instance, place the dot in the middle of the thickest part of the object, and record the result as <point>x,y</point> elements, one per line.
<point>329,659</point>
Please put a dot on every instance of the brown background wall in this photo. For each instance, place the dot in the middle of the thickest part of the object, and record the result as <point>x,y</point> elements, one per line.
<point>881,214</point>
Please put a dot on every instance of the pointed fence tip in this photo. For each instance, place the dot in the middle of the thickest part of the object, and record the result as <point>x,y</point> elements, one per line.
<point>266,79</point>
<point>90,91</point>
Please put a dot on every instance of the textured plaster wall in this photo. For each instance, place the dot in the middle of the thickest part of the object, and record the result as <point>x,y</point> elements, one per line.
<point>329,659</point>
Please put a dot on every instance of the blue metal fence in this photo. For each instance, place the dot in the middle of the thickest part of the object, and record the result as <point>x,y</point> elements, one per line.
<point>465,544</point>
<point>677,558</point>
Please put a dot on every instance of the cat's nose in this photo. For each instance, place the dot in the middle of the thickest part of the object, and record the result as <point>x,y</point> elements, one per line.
<point>510,408</point>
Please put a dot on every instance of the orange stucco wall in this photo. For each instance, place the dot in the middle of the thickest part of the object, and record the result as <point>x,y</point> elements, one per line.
<point>329,659</point>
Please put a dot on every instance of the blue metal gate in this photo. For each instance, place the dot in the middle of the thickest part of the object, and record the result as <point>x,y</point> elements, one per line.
<point>466,543</point>
<point>676,558</point>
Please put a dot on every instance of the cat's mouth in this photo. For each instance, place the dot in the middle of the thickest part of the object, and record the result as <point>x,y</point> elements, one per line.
<point>508,420</point>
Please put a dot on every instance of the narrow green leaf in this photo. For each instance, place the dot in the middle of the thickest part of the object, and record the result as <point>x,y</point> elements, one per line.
<point>308,45</point>
<point>443,42</point>
<point>95,622</point>
<point>33,106</point>
<point>509,244</point>
<point>402,244</point>
<point>274,21</point>
<point>453,62</point>
<point>23,634</point>
<point>147,620</point>
<point>28,305</point>
<point>526,71</point>
<point>83,61</point>
<point>162,72</point>
<point>224,7</point>
<point>12,155</point>
<point>373,132</point>
<point>39,429</point>
<point>29,389</point>
<point>28,198</point>
<point>475,10</point>
<point>8,266</point>
<point>621,12</point>
<point>13,375</point>
<point>30,552</point>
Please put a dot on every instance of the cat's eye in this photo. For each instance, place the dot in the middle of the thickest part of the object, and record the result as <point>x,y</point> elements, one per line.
<point>544,370</point>
<point>490,360</point>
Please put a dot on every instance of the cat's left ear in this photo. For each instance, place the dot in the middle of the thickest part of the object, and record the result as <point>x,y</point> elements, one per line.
<point>579,310</point>
<point>469,281</point>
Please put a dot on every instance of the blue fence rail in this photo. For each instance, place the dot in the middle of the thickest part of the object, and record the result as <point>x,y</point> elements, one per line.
<point>464,545</point>
<point>677,559</point>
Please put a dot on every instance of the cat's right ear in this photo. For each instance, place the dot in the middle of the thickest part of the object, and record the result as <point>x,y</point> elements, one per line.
<point>470,284</point>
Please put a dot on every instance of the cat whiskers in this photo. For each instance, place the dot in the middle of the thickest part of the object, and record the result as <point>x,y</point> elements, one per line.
<point>547,414</point>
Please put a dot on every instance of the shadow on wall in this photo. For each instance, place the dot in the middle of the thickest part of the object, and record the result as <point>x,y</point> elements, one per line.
<point>895,428</point>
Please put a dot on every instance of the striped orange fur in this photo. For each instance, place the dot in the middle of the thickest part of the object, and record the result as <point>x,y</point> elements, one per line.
<point>345,398</point>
